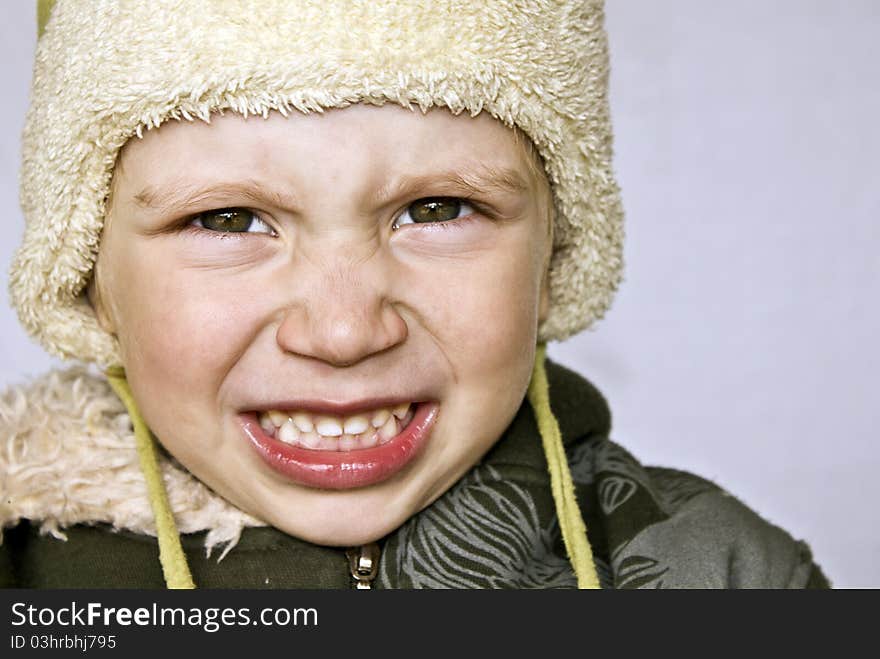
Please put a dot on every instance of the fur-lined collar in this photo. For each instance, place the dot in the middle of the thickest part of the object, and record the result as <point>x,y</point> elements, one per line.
<point>67,456</point>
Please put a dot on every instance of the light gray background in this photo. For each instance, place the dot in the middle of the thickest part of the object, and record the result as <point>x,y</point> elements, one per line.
<point>742,344</point>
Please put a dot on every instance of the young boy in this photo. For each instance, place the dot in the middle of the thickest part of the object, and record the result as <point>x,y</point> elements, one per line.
<point>317,248</point>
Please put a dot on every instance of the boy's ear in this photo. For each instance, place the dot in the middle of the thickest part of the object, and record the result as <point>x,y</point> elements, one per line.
<point>544,300</point>
<point>98,304</point>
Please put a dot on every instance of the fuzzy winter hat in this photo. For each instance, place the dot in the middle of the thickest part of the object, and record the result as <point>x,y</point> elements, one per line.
<point>106,70</point>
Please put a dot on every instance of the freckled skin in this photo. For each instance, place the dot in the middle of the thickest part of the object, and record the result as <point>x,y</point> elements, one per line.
<point>333,304</point>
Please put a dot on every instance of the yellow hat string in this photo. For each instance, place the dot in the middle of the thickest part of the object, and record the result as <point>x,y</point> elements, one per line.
<point>171,556</point>
<point>574,531</point>
<point>44,10</point>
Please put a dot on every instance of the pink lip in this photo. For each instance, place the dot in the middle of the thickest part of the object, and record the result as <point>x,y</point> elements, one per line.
<point>342,470</point>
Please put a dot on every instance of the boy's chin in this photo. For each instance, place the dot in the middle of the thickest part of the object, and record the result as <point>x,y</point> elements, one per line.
<point>340,532</point>
<point>333,518</point>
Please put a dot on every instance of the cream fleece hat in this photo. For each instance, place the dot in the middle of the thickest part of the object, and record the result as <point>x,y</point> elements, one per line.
<point>106,70</point>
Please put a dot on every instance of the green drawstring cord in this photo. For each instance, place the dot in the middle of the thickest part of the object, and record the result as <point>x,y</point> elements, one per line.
<point>574,532</point>
<point>44,9</point>
<point>171,556</point>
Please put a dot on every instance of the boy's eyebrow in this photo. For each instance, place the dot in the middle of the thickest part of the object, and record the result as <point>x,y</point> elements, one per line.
<point>471,180</point>
<point>180,196</point>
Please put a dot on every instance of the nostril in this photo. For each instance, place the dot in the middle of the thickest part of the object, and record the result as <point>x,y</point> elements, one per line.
<point>396,329</point>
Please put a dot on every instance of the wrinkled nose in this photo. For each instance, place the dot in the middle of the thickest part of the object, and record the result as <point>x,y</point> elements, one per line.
<point>341,320</point>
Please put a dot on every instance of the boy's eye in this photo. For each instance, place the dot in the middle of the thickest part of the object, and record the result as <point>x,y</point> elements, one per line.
<point>433,209</point>
<point>231,220</point>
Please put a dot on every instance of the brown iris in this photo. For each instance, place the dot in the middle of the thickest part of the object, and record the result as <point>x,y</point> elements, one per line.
<point>435,209</point>
<point>234,220</point>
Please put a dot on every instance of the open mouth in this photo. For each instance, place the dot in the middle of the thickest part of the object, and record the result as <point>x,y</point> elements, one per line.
<point>340,452</point>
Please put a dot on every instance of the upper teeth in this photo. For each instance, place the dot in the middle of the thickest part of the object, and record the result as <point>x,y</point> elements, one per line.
<point>303,421</point>
<point>358,431</point>
<point>328,426</point>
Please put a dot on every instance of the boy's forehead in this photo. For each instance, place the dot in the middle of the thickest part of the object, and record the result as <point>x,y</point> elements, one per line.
<point>480,150</point>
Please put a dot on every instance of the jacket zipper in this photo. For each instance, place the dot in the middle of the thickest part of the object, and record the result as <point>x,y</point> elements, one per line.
<point>363,562</point>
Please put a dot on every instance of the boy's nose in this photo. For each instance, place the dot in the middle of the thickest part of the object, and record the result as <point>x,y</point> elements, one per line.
<point>341,325</point>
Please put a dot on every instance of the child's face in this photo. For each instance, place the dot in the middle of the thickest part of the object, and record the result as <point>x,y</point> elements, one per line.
<point>345,276</point>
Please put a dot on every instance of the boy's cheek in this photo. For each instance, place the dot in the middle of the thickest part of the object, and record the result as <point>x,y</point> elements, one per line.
<point>184,330</point>
<point>485,304</point>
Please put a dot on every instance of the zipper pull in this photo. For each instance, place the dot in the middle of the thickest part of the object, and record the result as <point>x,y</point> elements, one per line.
<point>363,562</point>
